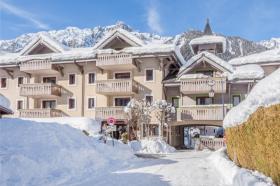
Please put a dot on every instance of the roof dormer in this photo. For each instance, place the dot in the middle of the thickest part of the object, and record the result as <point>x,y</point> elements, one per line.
<point>208,42</point>
<point>42,44</point>
<point>118,39</point>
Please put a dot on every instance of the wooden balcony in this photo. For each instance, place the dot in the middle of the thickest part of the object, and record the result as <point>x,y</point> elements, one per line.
<point>40,113</point>
<point>115,61</point>
<point>117,87</point>
<point>104,113</point>
<point>202,85</point>
<point>38,66</point>
<point>201,112</point>
<point>40,90</point>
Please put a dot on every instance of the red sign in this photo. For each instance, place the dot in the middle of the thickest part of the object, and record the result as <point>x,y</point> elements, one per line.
<point>111,120</point>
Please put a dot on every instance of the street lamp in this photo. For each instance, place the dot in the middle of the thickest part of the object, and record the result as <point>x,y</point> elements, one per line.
<point>211,83</point>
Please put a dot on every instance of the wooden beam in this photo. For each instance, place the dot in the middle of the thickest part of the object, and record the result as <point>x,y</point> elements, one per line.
<point>80,67</point>
<point>9,72</point>
<point>60,69</point>
<point>138,64</point>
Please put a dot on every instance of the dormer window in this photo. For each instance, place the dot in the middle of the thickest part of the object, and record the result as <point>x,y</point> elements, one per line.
<point>208,42</point>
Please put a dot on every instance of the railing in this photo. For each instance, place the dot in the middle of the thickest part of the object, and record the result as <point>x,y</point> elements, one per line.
<point>114,59</point>
<point>202,85</point>
<point>40,89</point>
<point>40,113</point>
<point>38,64</point>
<point>116,86</point>
<point>106,112</point>
<point>201,112</point>
<point>212,144</point>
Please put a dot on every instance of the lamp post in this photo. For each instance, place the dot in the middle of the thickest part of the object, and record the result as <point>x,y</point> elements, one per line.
<point>211,83</point>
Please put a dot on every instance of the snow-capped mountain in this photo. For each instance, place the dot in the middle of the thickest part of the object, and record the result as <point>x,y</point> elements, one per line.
<point>271,44</point>
<point>75,37</point>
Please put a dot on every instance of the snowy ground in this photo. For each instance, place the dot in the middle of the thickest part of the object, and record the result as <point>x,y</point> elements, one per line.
<point>43,153</point>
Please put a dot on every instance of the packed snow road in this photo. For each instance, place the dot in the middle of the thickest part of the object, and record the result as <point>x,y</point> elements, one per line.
<point>182,168</point>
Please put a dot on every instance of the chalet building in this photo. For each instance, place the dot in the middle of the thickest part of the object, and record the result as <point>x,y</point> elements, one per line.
<point>48,79</point>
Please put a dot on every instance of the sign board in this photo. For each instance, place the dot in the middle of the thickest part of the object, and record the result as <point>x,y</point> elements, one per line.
<point>111,121</point>
<point>111,128</point>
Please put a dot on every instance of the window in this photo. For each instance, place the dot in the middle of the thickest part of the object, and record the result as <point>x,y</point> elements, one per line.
<point>121,101</point>
<point>175,102</point>
<point>20,81</point>
<point>19,104</point>
<point>204,101</point>
<point>149,99</point>
<point>49,80</point>
<point>71,103</point>
<point>48,104</point>
<point>3,82</point>
<point>72,79</point>
<point>149,75</point>
<point>236,100</point>
<point>91,103</point>
<point>91,78</point>
<point>122,75</point>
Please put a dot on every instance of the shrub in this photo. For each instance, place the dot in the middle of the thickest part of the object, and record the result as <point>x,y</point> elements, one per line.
<point>256,143</point>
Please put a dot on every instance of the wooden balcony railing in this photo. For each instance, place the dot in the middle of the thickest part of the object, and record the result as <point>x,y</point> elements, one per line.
<point>116,86</point>
<point>40,90</point>
<point>202,85</point>
<point>105,112</point>
<point>38,64</point>
<point>105,61</point>
<point>39,113</point>
<point>212,144</point>
<point>201,112</point>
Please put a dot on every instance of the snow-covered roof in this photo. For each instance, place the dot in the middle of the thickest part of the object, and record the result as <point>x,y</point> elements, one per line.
<point>265,93</point>
<point>263,57</point>
<point>127,36</point>
<point>212,59</point>
<point>43,37</point>
<point>75,53</point>
<point>246,72</point>
<point>192,76</point>
<point>209,39</point>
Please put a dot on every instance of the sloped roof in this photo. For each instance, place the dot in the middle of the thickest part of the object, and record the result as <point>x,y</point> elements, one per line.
<point>246,72</point>
<point>212,59</point>
<point>43,37</point>
<point>127,36</point>
<point>262,57</point>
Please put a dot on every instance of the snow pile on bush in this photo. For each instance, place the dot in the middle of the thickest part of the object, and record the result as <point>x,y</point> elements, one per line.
<point>90,125</point>
<point>265,93</point>
<point>151,146</point>
<point>33,153</point>
<point>236,176</point>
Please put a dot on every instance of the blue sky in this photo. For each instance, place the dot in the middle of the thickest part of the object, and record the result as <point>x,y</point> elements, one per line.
<point>251,19</point>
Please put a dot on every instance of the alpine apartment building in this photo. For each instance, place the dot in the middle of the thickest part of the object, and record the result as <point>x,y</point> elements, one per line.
<point>48,79</point>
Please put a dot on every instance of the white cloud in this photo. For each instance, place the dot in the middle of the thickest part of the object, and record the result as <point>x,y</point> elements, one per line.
<point>153,19</point>
<point>23,14</point>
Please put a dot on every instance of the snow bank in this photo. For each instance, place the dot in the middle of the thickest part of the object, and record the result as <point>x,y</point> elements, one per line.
<point>265,93</point>
<point>247,72</point>
<point>90,125</point>
<point>33,153</point>
<point>151,146</point>
<point>236,176</point>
